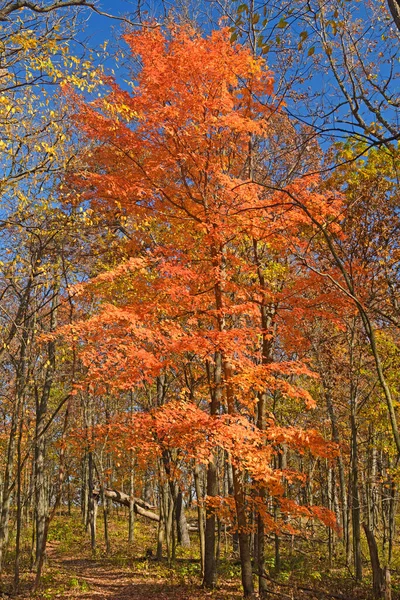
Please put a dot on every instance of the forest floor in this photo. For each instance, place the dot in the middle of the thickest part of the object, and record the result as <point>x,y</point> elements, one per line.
<point>140,579</point>
<point>72,573</point>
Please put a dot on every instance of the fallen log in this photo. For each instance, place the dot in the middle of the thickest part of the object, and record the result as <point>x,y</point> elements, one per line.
<point>139,506</point>
<point>146,513</point>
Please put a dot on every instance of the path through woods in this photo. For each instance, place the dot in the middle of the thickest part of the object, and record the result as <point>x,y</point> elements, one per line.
<point>72,573</point>
<point>102,579</point>
<point>71,577</point>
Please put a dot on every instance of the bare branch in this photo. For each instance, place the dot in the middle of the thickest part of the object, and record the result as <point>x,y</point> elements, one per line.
<point>37,8</point>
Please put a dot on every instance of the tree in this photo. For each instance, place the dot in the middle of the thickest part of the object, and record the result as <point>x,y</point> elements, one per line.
<point>174,154</point>
<point>36,241</point>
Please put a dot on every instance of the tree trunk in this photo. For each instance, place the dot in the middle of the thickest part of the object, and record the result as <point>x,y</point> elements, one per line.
<point>15,424</point>
<point>131,505</point>
<point>42,504</point>
<point>378,574</point>
<point>182,526</point>
<point>161,531</point>
<point>355,506</point>
<point>160,535</point>
<point>240,504</point>
<point>266,318</point>
<point>336,438</point>
<point>92,504</point>
<point>200,515</point>
<point>394,7</point>
<point>19,513</point>
<point>105,517</point>
<point>210,561</point>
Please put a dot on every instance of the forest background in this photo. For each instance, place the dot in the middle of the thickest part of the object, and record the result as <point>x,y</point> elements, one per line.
<point>199,289</point>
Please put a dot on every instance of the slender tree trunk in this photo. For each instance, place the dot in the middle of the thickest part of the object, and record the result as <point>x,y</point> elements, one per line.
<point>40,487</point>
<point>57,502</point>
<point>200,515</point>
<point>105,520</point>
<point>42,502</point>
<point>378,574</point>
<point>266,315</point>
<point>355,507</point>
<point>262,582</point>
<point>131,482</point>
<point>330,484</point>
<point>240,503</point>
<point>84,491</point>
<point>182,526</point>
<point>392,516</point>
<point>92,504</point>
<point>19,513</point>
<point>177,498</point>
<point>210,562</point>
<point>161,531</point>
<point>131,502</point>
<point>5,509</point>
<point>169,525</point>
<point>235,536</point>
<point>12,443</point>
<point>372,491</point>
<point>336,438</point>
<point>162,522</point>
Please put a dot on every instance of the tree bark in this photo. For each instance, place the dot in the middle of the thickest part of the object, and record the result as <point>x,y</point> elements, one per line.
<point>182,526</point>
<point>355,505</point>
<point>210,561</point>
<point>140,506</point>
<point>200,515</point>
<point>131,504</point>
<point>240,502</point>
<point>378,574</point>
<point>394,7</point>
<point>92,504</point>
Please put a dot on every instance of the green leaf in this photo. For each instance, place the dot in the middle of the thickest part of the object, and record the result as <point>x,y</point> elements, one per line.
<point>282,24</point>
<point>311,51</point>
<point>255,18</point>
<point>242,8</point>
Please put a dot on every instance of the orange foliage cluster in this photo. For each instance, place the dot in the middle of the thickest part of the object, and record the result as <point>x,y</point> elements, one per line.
<point>173,156</point>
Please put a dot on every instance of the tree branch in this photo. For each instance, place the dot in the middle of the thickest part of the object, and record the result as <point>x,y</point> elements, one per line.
<point>37,8</point>
<point>394,7</point>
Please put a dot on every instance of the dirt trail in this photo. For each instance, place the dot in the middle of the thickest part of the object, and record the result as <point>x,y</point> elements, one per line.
<point>71,577</point>
<point>100,580</point>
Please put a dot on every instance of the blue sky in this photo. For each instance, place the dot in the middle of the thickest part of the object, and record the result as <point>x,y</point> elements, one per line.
<point>311,81</point>
<point>101,28</point>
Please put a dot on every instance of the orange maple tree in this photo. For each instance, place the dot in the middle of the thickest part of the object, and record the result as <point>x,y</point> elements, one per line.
<point>210,278</point>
